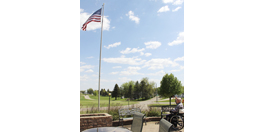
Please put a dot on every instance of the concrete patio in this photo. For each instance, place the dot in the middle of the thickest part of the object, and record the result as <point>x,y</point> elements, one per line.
<point>151,127</point>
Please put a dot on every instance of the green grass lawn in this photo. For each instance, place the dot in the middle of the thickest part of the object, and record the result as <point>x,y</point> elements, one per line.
<point>104,101</point>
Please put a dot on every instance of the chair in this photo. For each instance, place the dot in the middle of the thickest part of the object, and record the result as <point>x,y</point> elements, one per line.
<point>164,126</point>
<point>137,123</point>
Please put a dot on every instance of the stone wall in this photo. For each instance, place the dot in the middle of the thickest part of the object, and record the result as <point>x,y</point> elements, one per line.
<point>88,121</point>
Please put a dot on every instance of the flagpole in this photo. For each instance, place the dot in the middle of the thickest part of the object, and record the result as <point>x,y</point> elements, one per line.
<point>100,58</point>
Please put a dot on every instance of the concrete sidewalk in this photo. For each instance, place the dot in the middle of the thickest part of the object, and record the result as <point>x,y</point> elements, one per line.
<point>152,127</point>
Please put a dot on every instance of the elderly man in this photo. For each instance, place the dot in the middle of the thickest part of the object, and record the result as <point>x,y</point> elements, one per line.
<point>178,106</point>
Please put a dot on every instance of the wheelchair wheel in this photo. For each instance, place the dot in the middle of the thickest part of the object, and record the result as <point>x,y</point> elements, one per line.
<point>177,122</point>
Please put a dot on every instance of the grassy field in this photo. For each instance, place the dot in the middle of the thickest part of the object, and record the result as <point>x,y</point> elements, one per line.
<point>104,101</point>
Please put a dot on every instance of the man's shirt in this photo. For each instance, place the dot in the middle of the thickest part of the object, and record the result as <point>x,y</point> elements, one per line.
<point>178,106</point>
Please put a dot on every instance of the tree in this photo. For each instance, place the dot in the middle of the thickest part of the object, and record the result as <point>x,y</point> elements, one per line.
<point>122,92</point>
<point>95,92</point>
<point>169,86</point>
<point>116,92</point>
<point>90,91</point>
<point>130,95</point>
<point>136,90</point>
<point>83,91</point>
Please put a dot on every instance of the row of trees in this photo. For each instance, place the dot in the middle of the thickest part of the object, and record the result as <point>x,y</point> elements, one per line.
<point>135,90</point>
<point>103,92</point>
<point>145,89</point>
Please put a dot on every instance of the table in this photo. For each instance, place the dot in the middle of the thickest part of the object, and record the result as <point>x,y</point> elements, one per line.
<point>107,129</point>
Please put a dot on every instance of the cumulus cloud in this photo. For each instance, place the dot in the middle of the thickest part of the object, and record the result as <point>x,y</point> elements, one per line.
<point>167,1</point>
<point>179,40</point>
<point>113,45</point>
<point>95,75</point>
<point>129,50</point>
<point>176,9</point>
<point>179,59</point>
<point>133,17</point>
<point>124,79</point>
<point>117,67</point>
<point>154,64</point>
<point>164,9</point>
<point>90,57</point>
<point>82,63</point>
<point>113,73</point>
<point>178,2</point>
<point>181,68</point>
<point>152,44</point>
<point>84,78</point>
<point>123,60</point>
<point>82,68</point>
<point>148,54</point>
<point>93,25</point>
<point>90,70</point>
<point>159,73</point>
<point>131,71</point>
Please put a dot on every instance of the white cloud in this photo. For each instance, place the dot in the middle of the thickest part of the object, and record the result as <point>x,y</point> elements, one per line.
<point>159,73</point>
<point>89,70</point>
<point>129,50</point>
<point>179,59</point>
<point>84,78</point>
<point>131,71</point>
<point>90,57</point>
<point>148,54</point>
<point>82,68</point>
<point>113,45</point>
<point>152,44</point>
<point>95,75</point>
<point>174,70</point>
<point>181,68</point>
<point>154,64</point>
<point>113,73</point>
<point>178,2</point>
<point>93,25</point>
<point>117,67</point>
<point>164,9</point>
<point>133,17</point>
<point>123,60</point>
<point>133,68</point>
<point>176,9</point>
<point>113,27</point>
<point>82,63</point>
<point>179,40</point>
<point>105,80</point>
<point>124,79</point>
<point>167,1</point>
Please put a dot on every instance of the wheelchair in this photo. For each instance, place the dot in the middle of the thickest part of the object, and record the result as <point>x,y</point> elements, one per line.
<point>177,120</point>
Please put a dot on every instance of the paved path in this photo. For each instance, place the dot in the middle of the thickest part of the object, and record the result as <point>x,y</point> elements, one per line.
<point>87,97</point>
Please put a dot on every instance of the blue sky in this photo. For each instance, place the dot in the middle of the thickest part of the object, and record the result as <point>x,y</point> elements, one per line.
<point>140,39</point>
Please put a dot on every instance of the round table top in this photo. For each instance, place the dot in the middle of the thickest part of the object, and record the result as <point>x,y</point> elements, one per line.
<point>107,129</point>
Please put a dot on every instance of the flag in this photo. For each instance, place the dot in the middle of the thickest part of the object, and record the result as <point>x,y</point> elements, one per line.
<point>95,17</point>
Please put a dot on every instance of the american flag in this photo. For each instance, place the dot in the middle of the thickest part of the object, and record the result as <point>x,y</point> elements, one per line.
<point>95,17</point>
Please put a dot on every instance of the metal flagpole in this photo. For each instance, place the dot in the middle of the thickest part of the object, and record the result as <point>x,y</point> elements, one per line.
<point>100,58</point>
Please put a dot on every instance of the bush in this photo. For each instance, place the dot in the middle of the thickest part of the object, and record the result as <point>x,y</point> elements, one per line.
<point>152,112</point>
